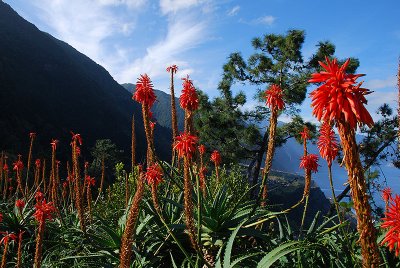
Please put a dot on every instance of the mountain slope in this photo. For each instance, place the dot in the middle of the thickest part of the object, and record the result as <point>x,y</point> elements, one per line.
<point>48,87</point>
<point>162,108</point>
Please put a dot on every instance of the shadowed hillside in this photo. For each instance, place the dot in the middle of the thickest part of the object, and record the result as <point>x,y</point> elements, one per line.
<point>48,87</point>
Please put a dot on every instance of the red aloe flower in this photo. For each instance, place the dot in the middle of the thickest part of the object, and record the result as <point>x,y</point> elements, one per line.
<point>1,217</point>
<point>54,144</point>
<point>327,143</point>
<point>173,68</point>
<point>39,196</point>
<point>305,134</point>
<point>32,135</point>
<point>144,91</point>
<point>90,181</point>
<point>202,149</point>
<point>339,97</point>
<point>65,184</point>
<point>392,222</point>
<point>309,162</point>
<point>189,99</point>
<point>185,145</point>
<point>202,173</point>
<point>44,210</point>
<point>37,163</point>
<point>5,167</point>
<point>20,204</point>
<point>274,97</point>
<point>154,174</point>
<point>5,240</point>
<point>18,165</point>
<point>7,237</point>
<point>387,194</point>
<point>76,137</point>
<point>216,157</point>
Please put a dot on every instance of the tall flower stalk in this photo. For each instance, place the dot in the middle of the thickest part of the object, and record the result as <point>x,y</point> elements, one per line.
<point>154,176</point>
<point>189,101</point>
<point>309,162</point>
<point>1,170</point>
<point>216,159</point>
<point>5,170</point>
<point>185,145</point>
<point>43,212</point>
<point>133,148</point>
<point>174,121</point>
<point>202,170</point>
<point>127,237</point>
<point>76,139</point>
<point>89,183</point>
<point>387,196</point>
<point>19,251</point>
<point>328,149</point>
<point>103,167</point>
<point>53,173</point>
<point>145,95</point>
<point>32,137</point>
<point>274,100</point>
<point>7,237</point>
<point>44,176</point>
<point>18,167</point>
<point>341,99</point>
<point>37,173</point>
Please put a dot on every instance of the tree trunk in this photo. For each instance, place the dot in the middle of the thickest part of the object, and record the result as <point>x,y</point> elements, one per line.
<point>254,169</point>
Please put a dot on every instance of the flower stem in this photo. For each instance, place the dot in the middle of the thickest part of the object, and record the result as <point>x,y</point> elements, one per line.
<point>333,194</point>
<point>365,226</point>
<point>127,237</point>
<point>4,258</point>
<point>39,242</point>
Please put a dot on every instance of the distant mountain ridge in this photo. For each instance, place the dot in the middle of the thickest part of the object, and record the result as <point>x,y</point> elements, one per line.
<point>48,87</point>
<point>162,108</point>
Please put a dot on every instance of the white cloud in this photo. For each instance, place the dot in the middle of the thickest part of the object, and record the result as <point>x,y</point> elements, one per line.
<point>85,24</point>
<point>173,6</point>
<point>183,35</point>
<point>268,20</point>
<point>376,99</point>
<point>380,83</point>
<point>233,11</point>
<point>133,4</point>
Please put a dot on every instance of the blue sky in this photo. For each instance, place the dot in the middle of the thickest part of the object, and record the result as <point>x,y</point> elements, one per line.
<point>130,37</point>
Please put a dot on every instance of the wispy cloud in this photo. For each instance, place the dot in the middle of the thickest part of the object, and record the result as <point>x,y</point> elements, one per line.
<point>381,83</point>
<point>87,32</point>
<point>173,6</point>
<point>187,28</point>
<point>233,11</point>
<point>133,4</point>
<point>267,20</point>
<point>182,35</point>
